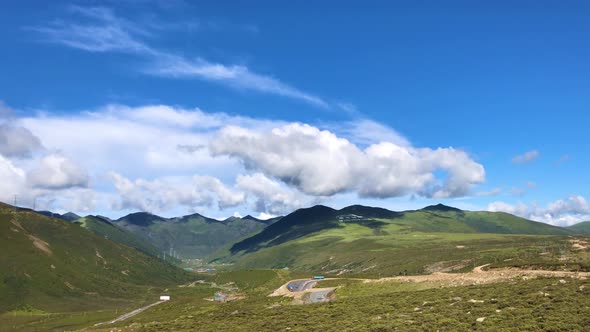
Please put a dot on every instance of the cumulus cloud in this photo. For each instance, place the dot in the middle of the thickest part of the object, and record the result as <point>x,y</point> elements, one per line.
<point>56,171</point>
<point>168,193</point>
<point>319,163</point>
<point>17,142</point>
<point>271,197</point>
<point>526,157</point>
<point>562,212</point>
<point>226,197</point>
<point>220,160</point>
<point>12,178</point>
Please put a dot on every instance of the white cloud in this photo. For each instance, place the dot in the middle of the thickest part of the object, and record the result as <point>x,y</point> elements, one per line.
<point>365,132</point>
<point>98,29</point>
<point>56,171</point>
<point>322,164</point>
<point>271,196</point>
<point>226,197</point>
<point>563,212</point>
<point>157,195</point>
<point>160,158</point>
<point>525,158</point>
<point>236,76</point>
<point>17,142</point>
<point>167,193</point>
<point>12,178</point>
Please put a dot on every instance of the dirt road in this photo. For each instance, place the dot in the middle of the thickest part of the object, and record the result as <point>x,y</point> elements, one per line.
<point>130,314</point>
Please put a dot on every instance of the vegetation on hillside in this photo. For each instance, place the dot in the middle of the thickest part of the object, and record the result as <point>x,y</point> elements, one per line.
<point>192,236</point>
<point>52,265</point>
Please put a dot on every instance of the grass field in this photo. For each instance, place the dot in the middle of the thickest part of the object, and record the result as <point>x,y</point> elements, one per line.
<point>544,304</point>
<point>355,249</point>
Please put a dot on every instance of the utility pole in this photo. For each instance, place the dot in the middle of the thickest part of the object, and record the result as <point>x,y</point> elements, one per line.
<point>34,203</point>
<point>15,203</point>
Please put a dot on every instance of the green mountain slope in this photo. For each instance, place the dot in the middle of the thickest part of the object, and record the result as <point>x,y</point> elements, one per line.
<point>580,228</point>
<point>360,239</point>
<point>55,265</point>
<point>105,228</point>
<point>436,218</point>
<point>191,236</point>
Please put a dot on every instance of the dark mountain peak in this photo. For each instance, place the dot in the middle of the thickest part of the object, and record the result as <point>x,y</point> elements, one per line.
<point>370,212</point>
<point>70,216</point>
<point>198,216</point>
<point>321,209</point>
<point>249,217</point>
<point>231,219</point>
<point>141,218</point>
<point>441,208</point>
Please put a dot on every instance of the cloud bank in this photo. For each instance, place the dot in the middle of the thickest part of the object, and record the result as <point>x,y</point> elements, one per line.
<point>160,158</point>
<point>562,212</point>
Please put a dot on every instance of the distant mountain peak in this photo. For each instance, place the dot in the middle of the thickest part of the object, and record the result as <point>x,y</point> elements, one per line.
<point>441,208</point>
<point>141,218</point>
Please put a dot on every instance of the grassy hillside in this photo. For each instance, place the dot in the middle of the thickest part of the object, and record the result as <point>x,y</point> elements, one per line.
<point>544,304</point>
<point>103,227</point>
<point>366,240</point>
<point>580,228</point>
<point>192,236</point>
<point>52,265</point>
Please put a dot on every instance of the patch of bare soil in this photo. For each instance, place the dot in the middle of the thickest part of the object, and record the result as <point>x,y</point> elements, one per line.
<point>447,266</point>
<point>579,244</point>
<point>480,276</point>
<point>104,261</point>
<point>40,244</point>
<point>37,242</point>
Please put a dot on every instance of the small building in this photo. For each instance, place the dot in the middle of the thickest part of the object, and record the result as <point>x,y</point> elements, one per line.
<point>165,298</point>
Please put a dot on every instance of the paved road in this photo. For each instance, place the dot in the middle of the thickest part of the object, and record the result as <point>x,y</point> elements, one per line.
<point>130,314</point>
<point>301,285</point>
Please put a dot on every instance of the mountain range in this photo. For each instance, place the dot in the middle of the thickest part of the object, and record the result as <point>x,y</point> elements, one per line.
<point>48,256</point>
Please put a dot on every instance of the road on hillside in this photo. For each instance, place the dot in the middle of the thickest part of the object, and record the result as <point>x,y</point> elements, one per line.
<point>301,285</point>
<point>130,314</point>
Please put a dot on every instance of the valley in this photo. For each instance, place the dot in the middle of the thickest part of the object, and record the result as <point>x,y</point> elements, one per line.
<point>380,270</point>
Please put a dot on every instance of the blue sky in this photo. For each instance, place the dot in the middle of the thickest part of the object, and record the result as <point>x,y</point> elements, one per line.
<point>112,107</point>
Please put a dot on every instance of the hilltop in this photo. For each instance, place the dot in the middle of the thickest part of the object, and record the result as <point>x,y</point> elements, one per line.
<point>105,228</point>
<point>191,236</point>
<point>360,239</point>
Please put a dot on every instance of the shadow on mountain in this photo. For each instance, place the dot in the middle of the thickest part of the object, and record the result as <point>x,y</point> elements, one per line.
<point>305,222</point>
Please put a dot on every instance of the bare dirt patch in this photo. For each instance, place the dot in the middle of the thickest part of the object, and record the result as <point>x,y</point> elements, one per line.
<point>37,242</point>
<point>447,266</point>
<point>480,276</point>
<point>104,261</point>
<point>579,244</point>
<point>40,244</point>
